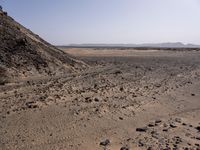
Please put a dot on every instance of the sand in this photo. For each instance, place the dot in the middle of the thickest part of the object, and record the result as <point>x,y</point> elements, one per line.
<point>126,99</point>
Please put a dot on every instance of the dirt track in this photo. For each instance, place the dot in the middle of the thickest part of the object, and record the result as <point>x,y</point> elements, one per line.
<point>156,93</point>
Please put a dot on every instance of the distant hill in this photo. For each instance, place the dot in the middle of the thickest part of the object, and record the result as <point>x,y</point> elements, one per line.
<point>156,45</point>
<point>25,54</point>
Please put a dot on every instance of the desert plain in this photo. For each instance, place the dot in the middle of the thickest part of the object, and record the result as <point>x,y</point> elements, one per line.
<point>126,99</point>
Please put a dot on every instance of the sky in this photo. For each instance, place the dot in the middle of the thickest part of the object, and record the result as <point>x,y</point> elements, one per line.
<point>63,22</point>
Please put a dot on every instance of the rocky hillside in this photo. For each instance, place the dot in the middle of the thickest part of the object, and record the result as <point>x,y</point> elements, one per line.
<point>24,54</point>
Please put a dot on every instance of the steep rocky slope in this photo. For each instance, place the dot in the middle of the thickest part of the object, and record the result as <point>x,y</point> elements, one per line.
<point>25,54</point>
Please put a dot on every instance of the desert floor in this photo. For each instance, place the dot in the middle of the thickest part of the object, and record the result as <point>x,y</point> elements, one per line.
<point>126,99</point>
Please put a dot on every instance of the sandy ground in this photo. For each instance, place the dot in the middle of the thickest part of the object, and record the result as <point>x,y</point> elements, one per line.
<point>125,100</point>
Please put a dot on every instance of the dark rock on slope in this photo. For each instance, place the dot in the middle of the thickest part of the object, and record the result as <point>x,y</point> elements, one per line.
<point>25,54</point>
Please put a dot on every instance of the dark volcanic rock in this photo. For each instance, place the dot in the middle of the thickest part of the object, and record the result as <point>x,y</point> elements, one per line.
<point>124,148</point>
<point>118,72</point>
<point>141,143</point>
<point>173,125</point>
<point>143,129</point>
<point>158,121</point>
<point>96,99</point>
<point>184,124</point>
<point>178,120</point>
<point>105,142</point>
<point>198,128</point>
<point>151,124</point>
<point>198,137</point>
<point>31,104</point>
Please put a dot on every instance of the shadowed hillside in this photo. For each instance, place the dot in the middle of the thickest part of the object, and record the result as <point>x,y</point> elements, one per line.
<point>25,54</point>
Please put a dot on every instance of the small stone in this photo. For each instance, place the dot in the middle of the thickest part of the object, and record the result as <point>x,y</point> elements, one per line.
<point>151,124</point>
<point>165,125</point>
<point>167,148</point>
<point>175,145</point>
<point>165,130</point>
<point>188,134</point>
<point>95,85</point>
<point>172,125</point>
<point>198,128</point>
<point>96,99</point>
<point>105,142</point>
<point>197,144</point>
<point>158,121</point>
<point>156,136</point>
<point>184,124</point>
<point>192,94</point>
<point>149,148</point>
<point>118,72</point>
<point>140,143</point>
<point>198,137</point>
<point>178,120</point>
<point>121,89</point>
<point>88,100</point>
<point>120,118</point>
<point>124,148</point>
<point>31,104</point>
<point>144,129</point>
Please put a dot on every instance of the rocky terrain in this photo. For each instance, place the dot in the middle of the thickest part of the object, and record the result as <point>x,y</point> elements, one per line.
<point>135,102</point>
<point>24,54</point>
<point>122,100</point>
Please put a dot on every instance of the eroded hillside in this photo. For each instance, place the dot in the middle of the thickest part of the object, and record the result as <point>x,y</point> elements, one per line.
<point>25,54</point>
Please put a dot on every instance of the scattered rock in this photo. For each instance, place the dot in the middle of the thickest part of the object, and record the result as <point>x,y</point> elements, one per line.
<point>149,148</point>
<point>188,134</point>
<point>151,124</point>
<point>124,148</point>
<point>95,86</point>
<point>178,120</point>
<point>198,137</point>
<point>96,99</point>
<point>88,100</point>
<point>118,72</point>
<point>165,125</point>
<point>155,135</point>
<point>192,94</point>
<point>120,118</point>
<point>165,130</point>
<point>177,139</point>
<point>140,143</point>
<point>173,125</point>
<point>31,104</point>
<point>184,124</point>
<point>105,142</point>
<point>158,121</point>
<point>121,89</point>
<point>198,128</point>
<point>144,129</point>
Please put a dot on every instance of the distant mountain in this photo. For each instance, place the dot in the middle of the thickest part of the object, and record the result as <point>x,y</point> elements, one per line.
<point>154,45</point>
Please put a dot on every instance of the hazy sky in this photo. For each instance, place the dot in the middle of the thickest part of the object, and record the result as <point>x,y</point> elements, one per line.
<point>109,21</point>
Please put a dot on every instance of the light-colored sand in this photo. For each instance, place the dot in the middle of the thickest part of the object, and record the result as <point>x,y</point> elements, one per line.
<point>109,100</point>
